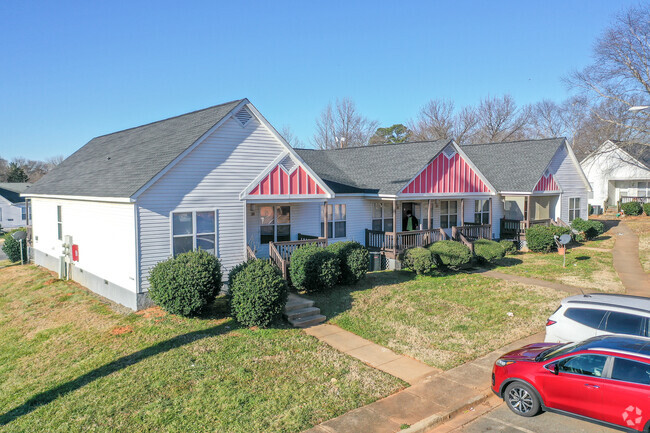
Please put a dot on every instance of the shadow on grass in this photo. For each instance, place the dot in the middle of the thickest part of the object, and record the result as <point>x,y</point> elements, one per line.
<point>119,364</point>
<point>582,258</point>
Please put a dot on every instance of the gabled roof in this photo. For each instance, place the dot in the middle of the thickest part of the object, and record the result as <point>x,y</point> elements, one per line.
<point>119,164</point>
<point>378,169</point>
<point>638,151</point>
<point>513,166</point>
<point>11,191</point>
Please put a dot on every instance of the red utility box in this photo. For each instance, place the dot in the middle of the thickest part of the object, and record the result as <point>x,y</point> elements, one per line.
<point>75,252</point>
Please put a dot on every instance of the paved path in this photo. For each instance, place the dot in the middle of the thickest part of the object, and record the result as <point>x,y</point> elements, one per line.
<point>626,261</point>
<point>574,290</point>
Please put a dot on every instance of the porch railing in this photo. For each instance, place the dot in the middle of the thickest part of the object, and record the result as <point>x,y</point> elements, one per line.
<point>250,254</point>
<point>628,198</point>
<point>511,229</point>
<point>385,241</point>
<point>472,232</point>
<point>280,252</point>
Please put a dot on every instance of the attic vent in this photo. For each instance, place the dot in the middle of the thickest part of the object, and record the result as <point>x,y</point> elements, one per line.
<point>449,151</point>
<point>288,164</point>
<point>243,116</point>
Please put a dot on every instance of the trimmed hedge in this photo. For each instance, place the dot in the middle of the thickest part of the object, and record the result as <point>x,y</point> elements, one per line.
<point>235,271</point>
<point>11,247</point>
<point>632,208</point>
<point>185,284</point>
<point>509,247</point>
<point>419,260</point>
<point>588,229</point>
<point>353,258</point>
<point>314,268</point>
<point>451,253</point>
<point>541,239</point>
<point>646,209</point>
<point>258,294</point>
<point>488,251</point>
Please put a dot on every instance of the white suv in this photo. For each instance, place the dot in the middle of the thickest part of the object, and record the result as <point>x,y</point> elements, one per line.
<point>584,316</point>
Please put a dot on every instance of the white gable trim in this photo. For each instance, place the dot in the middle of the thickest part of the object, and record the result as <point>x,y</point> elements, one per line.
<point>81,198</point>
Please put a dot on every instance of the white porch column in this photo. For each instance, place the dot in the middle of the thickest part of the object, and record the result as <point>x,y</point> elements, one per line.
<point>325,222</point>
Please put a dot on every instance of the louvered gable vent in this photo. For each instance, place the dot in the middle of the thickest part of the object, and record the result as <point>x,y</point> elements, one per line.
<point>288,164</point>
<point>449,151</point>
<point>243,116</point>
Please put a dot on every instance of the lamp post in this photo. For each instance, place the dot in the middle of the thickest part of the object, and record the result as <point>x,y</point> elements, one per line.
<point>340,141</point>
<point>638,108</point>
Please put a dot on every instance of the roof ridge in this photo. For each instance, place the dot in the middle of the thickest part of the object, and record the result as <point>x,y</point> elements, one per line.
<point>170,118</point>
<point>374,145</point>
<point>516,141</point>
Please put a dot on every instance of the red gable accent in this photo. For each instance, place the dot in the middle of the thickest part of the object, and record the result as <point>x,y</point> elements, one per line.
<point>279,182</point>
<point>446,175</point>
<point>547,183</point>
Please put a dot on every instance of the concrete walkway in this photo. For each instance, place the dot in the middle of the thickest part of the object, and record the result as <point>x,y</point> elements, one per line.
<point>381,358</point>
<point>626,261</point>
<point>572,290</point>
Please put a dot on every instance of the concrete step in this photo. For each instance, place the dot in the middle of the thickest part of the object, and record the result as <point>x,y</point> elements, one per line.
<point>308,321</point>
<point>297,304</point>
<point>302,313</point>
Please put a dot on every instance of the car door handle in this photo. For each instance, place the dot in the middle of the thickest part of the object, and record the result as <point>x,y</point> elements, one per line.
<point>589,385</point>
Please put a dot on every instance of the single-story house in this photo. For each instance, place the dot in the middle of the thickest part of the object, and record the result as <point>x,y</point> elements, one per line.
<point>619,172</point>
<point>223,179</point>
<point>13,212</point>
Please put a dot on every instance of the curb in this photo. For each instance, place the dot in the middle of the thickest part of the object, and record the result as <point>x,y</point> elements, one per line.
<point>440,417</point>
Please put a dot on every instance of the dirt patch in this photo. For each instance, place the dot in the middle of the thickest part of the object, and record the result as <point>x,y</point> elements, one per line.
<point>152,313</point>
<point>120,330</point>
<point>50,281</point>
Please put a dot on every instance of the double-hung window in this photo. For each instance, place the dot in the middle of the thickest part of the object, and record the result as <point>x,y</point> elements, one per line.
<point>59,223</point>
<point>382,216</point>
<point>23,213</point>
<point>482,211</point>
<point>643,189</point>
<point>193,230</point>
<point>336,224</point>
<point>275,224</point>
<point>448,213</point>
<point>574,208</point>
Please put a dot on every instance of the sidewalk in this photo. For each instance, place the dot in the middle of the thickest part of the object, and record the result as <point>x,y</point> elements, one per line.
<point>627,264</point>
<point>433,400</point>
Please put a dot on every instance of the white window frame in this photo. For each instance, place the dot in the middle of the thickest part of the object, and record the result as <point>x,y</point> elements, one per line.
<point>331,234</point>
<point>449,214</point>
<point>384,217</point>
<point>574,212</point>
<point>275,221</point>
<point>59,222</point>
<point>23,213</point>
<point>481,210</point>
<point>194,229</point>
<point>643,192</point>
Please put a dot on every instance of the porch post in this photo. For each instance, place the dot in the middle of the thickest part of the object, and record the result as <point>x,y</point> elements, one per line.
<point>528,207</point>
<point>462,212</point>
<point>491,228</point>
<point>429,222</point>
<point>325,222</point>
<point>395,227</point>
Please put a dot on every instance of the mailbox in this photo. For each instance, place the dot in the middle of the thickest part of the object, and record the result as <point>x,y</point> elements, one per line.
<point>75,252</point>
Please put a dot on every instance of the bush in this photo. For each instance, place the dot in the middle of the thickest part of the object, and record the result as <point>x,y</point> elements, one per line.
<point>11,247</point>
<point>509,247</point>
<point>632,208</point>
<point>590,209</point>
<point>354,260</point>
<point>451,253</point>
<point>541,238</point>
<point>185,284</point>
<point>587,229</point>
<point>258,294</point>
<point>419,260</point>
<point>314,268</point>
<point>646,209</point>
<point>488,251</point>
<point>235,271</point>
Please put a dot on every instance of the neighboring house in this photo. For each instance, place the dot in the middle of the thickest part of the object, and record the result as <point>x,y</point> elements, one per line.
<point>13,212</point>
<point>222,179</point>
<point>618,172</point>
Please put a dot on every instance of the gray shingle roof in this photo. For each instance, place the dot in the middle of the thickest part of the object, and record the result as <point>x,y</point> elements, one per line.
<point>382,169</point>
<point>11,191</point>
<point>640,152</point>
<point>513,166</point>
<point>119,164</point>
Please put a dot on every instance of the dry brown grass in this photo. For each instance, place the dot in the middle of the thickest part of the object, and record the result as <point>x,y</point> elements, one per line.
<point>641,226</point>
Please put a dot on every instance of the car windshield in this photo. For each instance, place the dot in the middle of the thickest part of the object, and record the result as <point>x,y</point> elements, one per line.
<point>554,351</point>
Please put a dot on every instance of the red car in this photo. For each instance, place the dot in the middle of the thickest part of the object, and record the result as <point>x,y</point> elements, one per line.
<point>605,380</point>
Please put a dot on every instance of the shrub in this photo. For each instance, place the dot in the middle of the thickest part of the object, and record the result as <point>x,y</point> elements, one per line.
<point>354,260</point>
<point>11,247</point>
<point>314,268</point>
<point>488,251</point>
<point>258,294</point>
<point>541,238</point>
<point>419,260</point>
<point>588,229</point>
<point>451,253</point>
<point>646,209</point>
<point>590,209</point>
<point>185,284</point>
<point>632,208</point>
<point>509,247</point>
<point>235,271</point>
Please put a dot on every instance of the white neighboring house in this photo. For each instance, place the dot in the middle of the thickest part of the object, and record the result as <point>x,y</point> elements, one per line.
<point>618,173</point>
<point>13,212</point>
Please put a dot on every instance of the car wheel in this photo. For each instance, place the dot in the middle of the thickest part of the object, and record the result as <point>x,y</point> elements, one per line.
<point>522,399</point>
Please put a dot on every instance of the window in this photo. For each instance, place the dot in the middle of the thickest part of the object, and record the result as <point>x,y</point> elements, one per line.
<point>275,224</point>
<point>574,208</point>
<point>643,189</point>
<point>631,371</point>
<point>59,223</point>
<point>336,226</point>
<point>194,230</point>
<point>382,216</point>
<point>588,365</point>
<point>448,213</point>
<point>23,213</point>
<point>586,316</point>
<point>482,211</point>
<point>622,323</point>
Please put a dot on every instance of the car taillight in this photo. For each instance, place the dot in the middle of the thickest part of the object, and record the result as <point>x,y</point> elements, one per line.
<point>550,322</point>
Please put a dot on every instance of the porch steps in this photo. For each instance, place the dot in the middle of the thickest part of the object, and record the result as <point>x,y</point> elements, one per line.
<point>301,313</point>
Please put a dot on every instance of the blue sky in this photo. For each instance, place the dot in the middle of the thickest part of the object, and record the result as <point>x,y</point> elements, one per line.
<point>74,70</point>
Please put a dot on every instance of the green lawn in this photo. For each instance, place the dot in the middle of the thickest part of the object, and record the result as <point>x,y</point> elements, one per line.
<point>69,363</point>
<point>443,321</point>
<point>641,226</point>
<point>590,269</point>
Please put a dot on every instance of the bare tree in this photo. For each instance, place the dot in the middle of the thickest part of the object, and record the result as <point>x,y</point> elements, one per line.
<point>54,161</point>
<point>499,119</point>
<point>287,133</point>
<point>342,125</point>
<point>439,120</point>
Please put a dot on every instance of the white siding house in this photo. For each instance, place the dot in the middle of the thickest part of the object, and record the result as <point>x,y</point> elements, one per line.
<point>13,212</point>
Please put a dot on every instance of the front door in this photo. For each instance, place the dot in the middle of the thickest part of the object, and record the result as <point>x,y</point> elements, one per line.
<point>449,215</point>
<point>414,210</point>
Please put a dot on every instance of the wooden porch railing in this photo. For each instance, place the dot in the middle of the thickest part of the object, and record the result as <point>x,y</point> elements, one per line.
<point>384,241</point>
<point>378,240</point>
<point>250,254</point>
<point>302,237</point>
<point>472,232</point>
<point>514,229</point>
<point>280,252</point>
<point>628,198</point>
